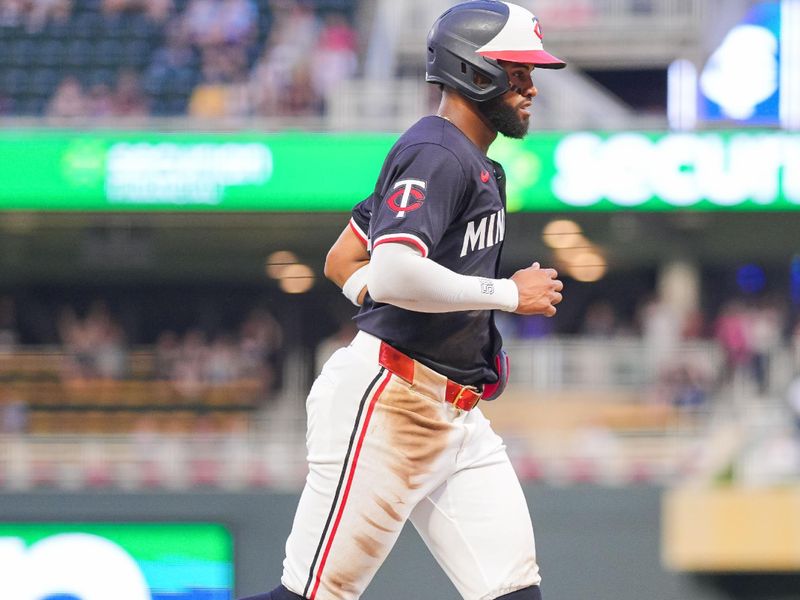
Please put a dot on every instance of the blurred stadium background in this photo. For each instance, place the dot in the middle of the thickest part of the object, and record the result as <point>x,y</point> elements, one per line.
<point>172,173</point>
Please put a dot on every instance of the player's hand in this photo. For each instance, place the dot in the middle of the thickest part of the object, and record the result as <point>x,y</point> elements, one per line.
<point>539,290</point>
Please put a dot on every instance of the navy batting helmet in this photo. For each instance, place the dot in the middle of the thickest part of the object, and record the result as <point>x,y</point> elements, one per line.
<point>470,38</point>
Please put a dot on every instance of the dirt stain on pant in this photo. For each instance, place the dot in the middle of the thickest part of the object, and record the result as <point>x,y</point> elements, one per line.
<point>398,466</point>
<point>416,432</point>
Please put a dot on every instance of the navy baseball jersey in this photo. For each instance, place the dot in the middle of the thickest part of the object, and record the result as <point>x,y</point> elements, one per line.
<point>439,193</point>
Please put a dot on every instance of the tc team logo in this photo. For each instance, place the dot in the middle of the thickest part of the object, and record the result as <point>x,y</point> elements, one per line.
<point>408,196</point>
<point>537,28</point>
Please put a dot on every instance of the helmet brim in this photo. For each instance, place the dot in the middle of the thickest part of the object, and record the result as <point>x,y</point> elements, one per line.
<point>537,58</point>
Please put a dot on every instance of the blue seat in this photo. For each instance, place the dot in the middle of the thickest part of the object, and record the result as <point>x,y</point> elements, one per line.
<point>135,53</point>
<point>78,53</point>
<point>59,30</point>
<point>21,52</point>
<point>5,51</point>
<point>43,82</point>
<point>49,53</point>
<point>113,26</point>
<point>99,75</point>
<point>107,53</point>
<point>87,25</point>
<point>33,106</point>
<point>15,82</point>
<point>142,28</point>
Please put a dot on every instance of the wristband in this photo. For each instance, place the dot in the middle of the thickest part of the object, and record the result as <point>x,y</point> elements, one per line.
<point>355,283</point>
<point>508,294</point>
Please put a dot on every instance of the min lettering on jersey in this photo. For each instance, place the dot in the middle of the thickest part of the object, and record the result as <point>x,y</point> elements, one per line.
<point>408,195</point>
<point>487,232</point>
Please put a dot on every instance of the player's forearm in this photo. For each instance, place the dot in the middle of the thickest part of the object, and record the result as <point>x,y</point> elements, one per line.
<point>347,255</point>
<point>340,273</point>
<point>399,275</point>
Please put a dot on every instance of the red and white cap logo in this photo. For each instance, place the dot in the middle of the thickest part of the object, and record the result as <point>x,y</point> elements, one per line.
<point>520,40</point>
<point>537,28</point>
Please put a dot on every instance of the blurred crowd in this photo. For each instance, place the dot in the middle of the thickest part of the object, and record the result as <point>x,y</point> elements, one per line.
<point>207,58</point>
<point>95,347</point>
<point>95,351</point>
<point>748,338</point>
<point>747,334</point>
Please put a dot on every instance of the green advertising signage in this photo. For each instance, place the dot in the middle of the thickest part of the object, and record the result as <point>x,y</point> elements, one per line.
<point>58,171</point>
<point>123,561</point>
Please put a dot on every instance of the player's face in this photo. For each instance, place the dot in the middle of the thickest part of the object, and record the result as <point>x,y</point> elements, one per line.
<point>510,113</point>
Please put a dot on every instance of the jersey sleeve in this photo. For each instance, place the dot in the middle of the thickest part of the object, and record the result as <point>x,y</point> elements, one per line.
<point>417,197</point>
<point>359,219</point>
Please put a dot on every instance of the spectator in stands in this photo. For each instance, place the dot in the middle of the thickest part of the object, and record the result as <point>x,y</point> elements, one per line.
<point>299,97</point>
<point>108,341</point>
<point>188,376</point>
<point>194,365</point>
<point>793,399</point>
<point>77,363</point>
<point>221,22</point>
<point>335,58</point>
<point>224,31</point>
<point>223,65</point>
<point>662,327</point>
<point>731,333</point>
<point>95,346</point>
<point>13,413</point>
<point>285,62</point>
<point>42,12</point>
<point>34,14</point>
<point>11,13</point>
<point>688,386</point>
<point>222,364</point>
<point>166,355</point>
<point>99,100</point>
<point>158,11</point>
<point>765,329</point>
<point>128,99</point>
<point>261,347</point>
<point>173,71</point>
<point>69,100</point>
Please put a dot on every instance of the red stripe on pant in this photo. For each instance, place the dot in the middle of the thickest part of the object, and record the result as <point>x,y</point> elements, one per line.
<point>349,483</point>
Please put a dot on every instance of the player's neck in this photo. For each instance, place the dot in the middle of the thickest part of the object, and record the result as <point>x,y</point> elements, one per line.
<point>465,115</point>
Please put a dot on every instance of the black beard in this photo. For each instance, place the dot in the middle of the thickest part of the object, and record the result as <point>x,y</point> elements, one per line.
<point>504,118</point>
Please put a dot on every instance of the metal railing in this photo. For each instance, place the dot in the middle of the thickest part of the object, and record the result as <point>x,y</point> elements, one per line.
<point>622,363</point>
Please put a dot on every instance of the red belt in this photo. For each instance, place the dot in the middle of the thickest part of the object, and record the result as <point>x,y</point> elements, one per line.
<point>462,397</point>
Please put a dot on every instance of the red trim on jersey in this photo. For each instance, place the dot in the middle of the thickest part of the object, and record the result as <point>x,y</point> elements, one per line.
<point>361,237</point>
<point>346,493</point>
<point>409,241</point>
<point>538,58</point>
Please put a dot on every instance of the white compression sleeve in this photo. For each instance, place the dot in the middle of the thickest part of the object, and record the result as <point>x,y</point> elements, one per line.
<point>355,283</point>
<point>401,276</point>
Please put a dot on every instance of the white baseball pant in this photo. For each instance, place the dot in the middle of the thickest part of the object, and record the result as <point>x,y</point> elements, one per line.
<point>382,450</point>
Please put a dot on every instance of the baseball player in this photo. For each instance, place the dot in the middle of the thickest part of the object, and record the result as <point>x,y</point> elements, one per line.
<point>395,431</point>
